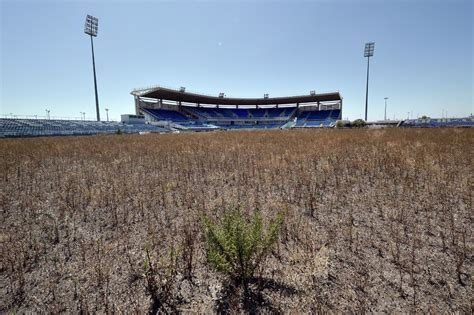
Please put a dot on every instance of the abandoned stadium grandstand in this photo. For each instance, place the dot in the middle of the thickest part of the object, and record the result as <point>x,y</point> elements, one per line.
<point>182,110</point>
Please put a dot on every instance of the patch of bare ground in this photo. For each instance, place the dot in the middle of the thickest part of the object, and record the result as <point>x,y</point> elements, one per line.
<point>378,221</point>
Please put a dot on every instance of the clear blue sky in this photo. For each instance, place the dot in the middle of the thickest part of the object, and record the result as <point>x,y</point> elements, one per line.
<point>423,53</point>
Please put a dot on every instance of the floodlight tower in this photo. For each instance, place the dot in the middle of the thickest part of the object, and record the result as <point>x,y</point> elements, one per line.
<point>91,28</point>
<point>368,52</point>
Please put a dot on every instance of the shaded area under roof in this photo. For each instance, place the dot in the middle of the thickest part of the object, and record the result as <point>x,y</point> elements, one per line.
<point>174,95</point>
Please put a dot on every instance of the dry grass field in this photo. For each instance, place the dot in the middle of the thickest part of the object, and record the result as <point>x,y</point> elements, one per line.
<point>374,220</point>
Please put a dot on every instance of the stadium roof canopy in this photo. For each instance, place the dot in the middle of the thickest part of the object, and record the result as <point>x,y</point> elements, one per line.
<point>182,96</point>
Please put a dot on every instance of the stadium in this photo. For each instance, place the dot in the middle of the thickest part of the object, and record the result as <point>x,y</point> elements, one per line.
<point>189,111</point>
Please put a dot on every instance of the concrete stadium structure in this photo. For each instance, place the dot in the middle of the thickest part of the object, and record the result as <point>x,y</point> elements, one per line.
<point>184,110</point>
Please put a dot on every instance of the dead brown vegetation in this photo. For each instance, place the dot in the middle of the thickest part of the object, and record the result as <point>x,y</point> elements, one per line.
<point>374,220</point>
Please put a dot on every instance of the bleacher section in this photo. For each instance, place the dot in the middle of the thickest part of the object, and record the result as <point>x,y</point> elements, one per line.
<point>325,118</point>
<point>251,126</point>
<point>42,127</point>
<point>168,115</point>
<point>242,118</point>
<point>240,113</point>
<point>439,122</point>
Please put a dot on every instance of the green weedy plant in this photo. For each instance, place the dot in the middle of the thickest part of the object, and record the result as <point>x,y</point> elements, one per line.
<point>237,247</point>
<point>339,124</point>
<point>358,123</point>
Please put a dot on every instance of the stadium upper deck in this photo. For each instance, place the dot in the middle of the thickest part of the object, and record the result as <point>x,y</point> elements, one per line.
<point>187,98</point>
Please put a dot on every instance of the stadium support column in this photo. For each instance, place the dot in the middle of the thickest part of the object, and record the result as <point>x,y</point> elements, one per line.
<point>137,105</point>
<point>340,109</point>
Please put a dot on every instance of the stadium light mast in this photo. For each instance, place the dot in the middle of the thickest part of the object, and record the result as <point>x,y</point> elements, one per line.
<point>368,52</point>
<point>385,115</point>
<point>91,28</point>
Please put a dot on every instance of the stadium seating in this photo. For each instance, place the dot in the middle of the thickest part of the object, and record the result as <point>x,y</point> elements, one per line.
<point>231,113</point>
<point>164,114</point>
<point>241,113</point>
<point>439,122</point>
<point>42,127</point>
<point>251,126</point>
<point>198,118</point>
<point>325,118</point>
<point>243,118</point>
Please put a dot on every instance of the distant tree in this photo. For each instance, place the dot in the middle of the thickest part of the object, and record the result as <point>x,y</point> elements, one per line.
<point>425,117</point>
<point>339,124</point>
